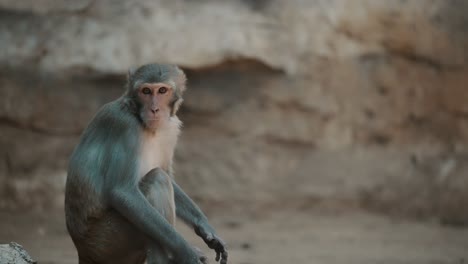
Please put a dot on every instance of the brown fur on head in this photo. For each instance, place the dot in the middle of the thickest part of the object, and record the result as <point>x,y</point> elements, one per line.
<point>155,91</point>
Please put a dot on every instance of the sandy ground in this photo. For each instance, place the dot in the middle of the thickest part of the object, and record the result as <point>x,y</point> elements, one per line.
<point>277,237</point>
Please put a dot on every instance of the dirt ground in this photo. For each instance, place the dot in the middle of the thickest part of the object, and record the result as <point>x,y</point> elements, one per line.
<point>313,236</point>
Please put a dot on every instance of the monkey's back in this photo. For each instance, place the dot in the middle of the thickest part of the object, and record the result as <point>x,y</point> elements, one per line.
<point>108,141</point>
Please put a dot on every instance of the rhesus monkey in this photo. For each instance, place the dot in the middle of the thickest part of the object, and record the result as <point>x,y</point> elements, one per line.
<point>121,200</point>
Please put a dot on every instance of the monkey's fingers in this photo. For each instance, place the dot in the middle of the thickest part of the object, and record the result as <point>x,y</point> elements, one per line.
<point>219,246</point>
<point>224,257</point>
<point>221,252</point>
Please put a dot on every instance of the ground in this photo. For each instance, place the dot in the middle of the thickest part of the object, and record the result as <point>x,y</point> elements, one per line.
<point>288,236</point>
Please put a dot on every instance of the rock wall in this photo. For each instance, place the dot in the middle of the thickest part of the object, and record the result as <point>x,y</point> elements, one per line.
<point>290,103</point>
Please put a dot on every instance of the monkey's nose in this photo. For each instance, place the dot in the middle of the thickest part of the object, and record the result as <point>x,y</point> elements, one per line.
<point>154,110</point>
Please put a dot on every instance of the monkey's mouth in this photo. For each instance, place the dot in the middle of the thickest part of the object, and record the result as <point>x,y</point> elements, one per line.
<point>150,117</point>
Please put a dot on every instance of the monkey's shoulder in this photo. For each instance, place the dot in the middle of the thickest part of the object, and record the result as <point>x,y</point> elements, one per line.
<point>115,115</point>
<point>110,138</point>
<point>111,124</point>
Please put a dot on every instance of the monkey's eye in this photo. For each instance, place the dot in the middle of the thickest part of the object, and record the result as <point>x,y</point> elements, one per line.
<point>146,90</point>
<point>162,90</point>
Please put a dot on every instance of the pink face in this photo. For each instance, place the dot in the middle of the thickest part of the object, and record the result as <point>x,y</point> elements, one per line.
<point>155,99</point>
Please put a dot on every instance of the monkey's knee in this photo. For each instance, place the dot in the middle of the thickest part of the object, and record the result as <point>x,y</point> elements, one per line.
<point>156,185</point>
<point>155,178</point>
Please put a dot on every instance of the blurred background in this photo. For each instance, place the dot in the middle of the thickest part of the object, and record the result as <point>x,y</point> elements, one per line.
<point>314,131</point>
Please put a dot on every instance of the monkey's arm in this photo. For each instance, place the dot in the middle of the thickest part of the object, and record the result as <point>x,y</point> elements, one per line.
<point>186,209</point>
<point>191,214</point>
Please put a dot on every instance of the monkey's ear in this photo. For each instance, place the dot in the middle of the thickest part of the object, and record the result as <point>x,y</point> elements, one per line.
<point>180,80</point>
<point>130,72</point>
<point>176,106</point>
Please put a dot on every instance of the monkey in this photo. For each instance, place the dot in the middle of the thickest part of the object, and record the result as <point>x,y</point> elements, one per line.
<point>121,199</point>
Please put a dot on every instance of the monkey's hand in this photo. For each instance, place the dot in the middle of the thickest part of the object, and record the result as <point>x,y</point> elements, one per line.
<point>207,233</point>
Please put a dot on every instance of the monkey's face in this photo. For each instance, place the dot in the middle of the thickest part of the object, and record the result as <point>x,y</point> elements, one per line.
<point>155,104</point>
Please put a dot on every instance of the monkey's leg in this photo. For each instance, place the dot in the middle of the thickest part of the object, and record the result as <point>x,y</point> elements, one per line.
<point>157,255</point>
<point>157,187</point>
<point>112,239</point>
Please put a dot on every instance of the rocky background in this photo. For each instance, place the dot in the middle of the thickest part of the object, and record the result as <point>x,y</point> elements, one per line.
<point>290,104</point>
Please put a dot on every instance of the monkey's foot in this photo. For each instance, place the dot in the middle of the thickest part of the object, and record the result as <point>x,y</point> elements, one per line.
<point>201,256</point>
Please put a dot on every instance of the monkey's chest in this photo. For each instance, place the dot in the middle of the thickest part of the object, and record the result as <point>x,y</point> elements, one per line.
<point>156,152</point>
